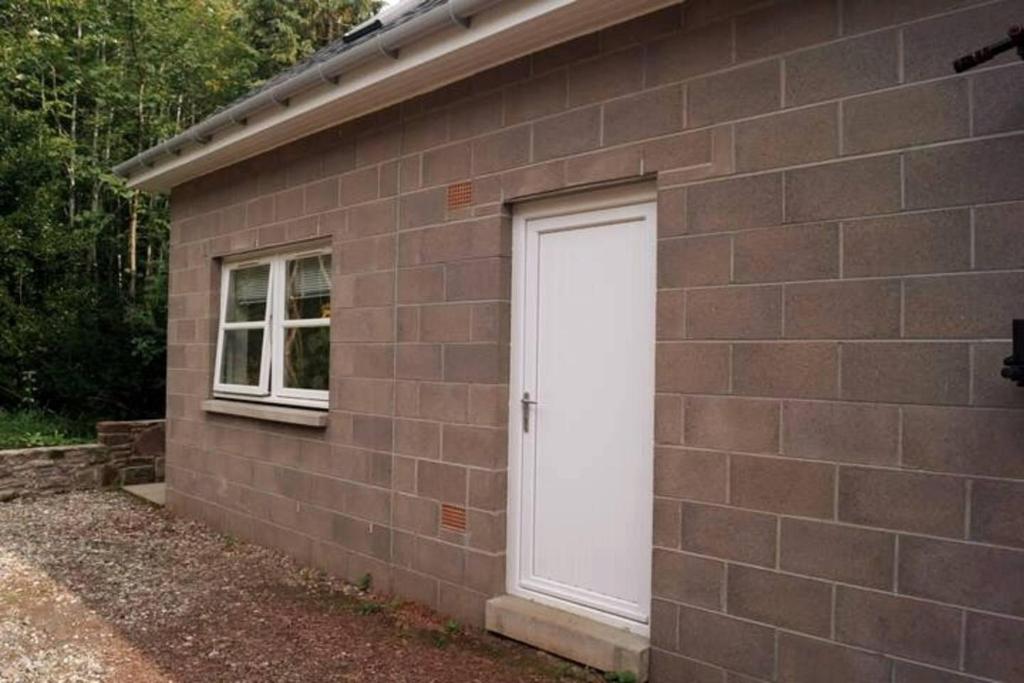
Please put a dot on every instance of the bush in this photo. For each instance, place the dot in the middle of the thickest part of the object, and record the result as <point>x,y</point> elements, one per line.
<point>30,428</point>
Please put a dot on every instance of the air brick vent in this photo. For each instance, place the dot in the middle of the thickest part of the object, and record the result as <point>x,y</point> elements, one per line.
<point>453,517</point>
<point>460,195</point>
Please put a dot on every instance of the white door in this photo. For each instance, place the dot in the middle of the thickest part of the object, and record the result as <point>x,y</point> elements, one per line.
<point>581,490</point>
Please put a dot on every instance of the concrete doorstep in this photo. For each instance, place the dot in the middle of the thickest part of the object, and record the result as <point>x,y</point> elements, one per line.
<point>153,493</point>
<point>574,637</point>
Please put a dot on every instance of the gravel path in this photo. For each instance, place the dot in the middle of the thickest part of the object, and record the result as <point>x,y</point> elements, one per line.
<point>100,587</point>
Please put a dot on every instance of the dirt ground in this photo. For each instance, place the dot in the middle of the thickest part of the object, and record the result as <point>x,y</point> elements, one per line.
<point>100,587</point>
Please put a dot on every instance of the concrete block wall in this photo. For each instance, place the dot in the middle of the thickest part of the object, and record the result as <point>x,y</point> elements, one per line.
<point>839,474</point>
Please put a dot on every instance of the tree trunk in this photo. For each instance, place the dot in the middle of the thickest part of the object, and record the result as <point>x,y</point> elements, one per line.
<point>133,240</point>
<point>72,161</point>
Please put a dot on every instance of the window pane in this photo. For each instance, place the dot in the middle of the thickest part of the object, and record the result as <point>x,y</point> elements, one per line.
<point>247,294</point>
<point>309,288</point>
<point>307,352</point>
<point>243,351</point>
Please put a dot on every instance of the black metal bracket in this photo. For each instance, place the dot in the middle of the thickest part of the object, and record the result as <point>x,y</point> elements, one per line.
<point>1014,39</point>
<point>1014,370</point>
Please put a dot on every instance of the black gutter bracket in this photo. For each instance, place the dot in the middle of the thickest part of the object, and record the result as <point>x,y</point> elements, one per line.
<point>1014,370</point>
<point>1014,39</point>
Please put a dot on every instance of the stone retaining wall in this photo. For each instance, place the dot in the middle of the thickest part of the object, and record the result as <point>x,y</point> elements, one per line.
<point>136,449</point>
<point>126,453</point>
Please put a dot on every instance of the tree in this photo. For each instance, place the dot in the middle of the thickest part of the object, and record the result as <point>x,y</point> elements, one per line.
<point>281,33</point>
<point>83,259</point>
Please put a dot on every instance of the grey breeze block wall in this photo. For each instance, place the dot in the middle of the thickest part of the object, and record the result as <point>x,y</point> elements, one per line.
<point>839,471</point>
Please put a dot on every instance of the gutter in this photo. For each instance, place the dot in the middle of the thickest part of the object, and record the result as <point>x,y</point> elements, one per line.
<point>387,43</point>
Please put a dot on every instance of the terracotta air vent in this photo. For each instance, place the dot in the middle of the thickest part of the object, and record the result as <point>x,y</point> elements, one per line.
<point>460,195</point>
<point>453,518</point>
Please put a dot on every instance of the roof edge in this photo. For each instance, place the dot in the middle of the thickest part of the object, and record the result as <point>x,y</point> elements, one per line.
<point>386,42</point>
<point>443,44</point>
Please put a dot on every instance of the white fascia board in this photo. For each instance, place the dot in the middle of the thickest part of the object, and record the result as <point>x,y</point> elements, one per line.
<point>497,35</point>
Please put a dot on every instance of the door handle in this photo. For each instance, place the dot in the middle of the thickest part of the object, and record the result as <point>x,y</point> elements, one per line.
<point>526,403</point>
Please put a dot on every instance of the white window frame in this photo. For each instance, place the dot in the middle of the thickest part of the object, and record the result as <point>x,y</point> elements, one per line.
<point>271,387</point>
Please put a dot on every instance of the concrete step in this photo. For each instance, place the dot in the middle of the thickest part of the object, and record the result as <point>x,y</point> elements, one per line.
<point>154,493</point>
<point>568,635</point>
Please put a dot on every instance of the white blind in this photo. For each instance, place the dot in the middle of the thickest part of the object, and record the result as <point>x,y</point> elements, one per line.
<point>310,277</point>
<point>250,284</point>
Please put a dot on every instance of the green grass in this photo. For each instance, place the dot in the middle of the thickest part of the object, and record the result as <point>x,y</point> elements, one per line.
<point>29,428</point>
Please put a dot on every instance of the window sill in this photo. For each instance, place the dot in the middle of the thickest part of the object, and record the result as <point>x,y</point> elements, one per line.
<point>269,413</point>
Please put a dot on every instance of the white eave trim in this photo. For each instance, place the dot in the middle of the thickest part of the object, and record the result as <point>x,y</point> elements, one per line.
<point>501,32</point>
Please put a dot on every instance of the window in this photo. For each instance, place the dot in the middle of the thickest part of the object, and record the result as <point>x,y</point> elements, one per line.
<point>274,342</point>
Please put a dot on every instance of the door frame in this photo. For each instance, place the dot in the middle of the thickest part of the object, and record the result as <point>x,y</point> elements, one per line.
<point>561,205</point>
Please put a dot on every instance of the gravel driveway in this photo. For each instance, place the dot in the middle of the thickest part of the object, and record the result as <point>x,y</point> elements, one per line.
<point>100,587</point>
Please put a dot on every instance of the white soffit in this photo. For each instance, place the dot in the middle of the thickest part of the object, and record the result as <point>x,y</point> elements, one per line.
<point>508,30</point>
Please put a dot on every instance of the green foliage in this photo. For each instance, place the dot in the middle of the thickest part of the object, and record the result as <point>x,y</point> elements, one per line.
<point>370,607</point>
<point>281,33</point>
<point>30,428</point>
<point>620,677</point>
<point>452,629</point>
<point>83,259</point>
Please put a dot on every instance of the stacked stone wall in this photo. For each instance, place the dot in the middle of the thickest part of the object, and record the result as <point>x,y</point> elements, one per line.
<point>125,453</point>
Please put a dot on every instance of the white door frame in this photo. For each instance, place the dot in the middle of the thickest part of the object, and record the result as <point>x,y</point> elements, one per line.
<point>581,202</point>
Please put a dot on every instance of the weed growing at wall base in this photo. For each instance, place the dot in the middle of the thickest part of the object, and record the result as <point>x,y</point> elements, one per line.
<point>31,428</point>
